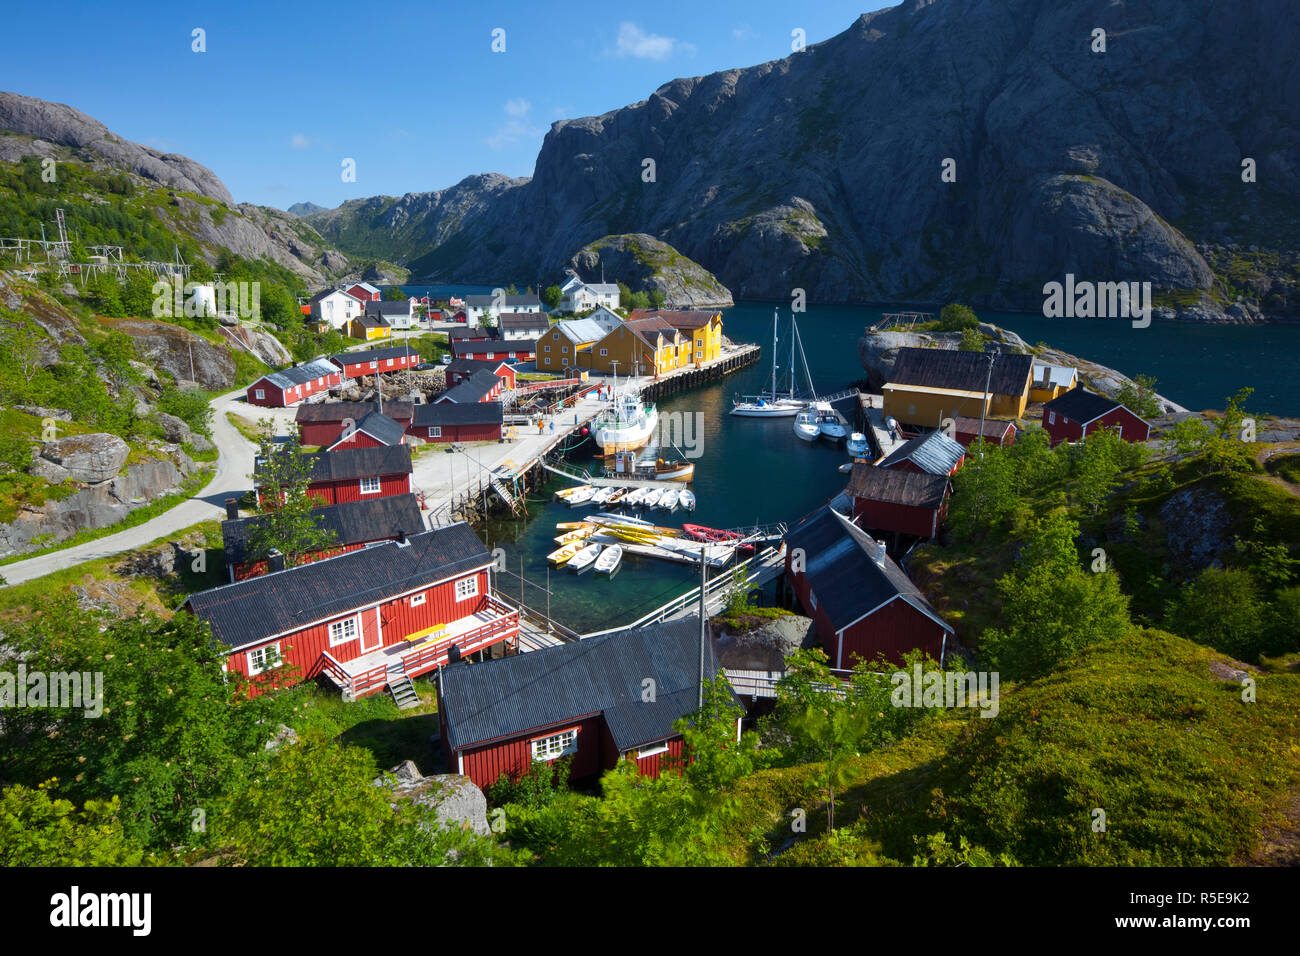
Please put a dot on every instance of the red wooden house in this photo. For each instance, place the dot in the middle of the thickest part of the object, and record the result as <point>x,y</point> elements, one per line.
<point>497,350</point>
<point>586,701</point>
<point>933,453</point>
<point>454,421</point>
<point>373,430</point>
<point>375,361</point>
<point>321,425</point>
<point>354,474</point>
<point>863,603</point>
<point>364,292</point>
<point>461,369</point>
<point>292,385</point>
<point>472,333</point>
<point>995,432</point>
<point>898,500</point>
<point>354,525</point>
<point>478,386</point>
<point>1070,417</point>
<point>365,619</point>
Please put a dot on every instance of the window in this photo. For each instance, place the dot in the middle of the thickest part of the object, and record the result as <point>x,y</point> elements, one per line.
<point>604,351</point>
<point>264,658</point>
<point>343,631</point>
<point>370,486</point>
<point>699,353</point>
<point>556,746</point>
<point>390,363</point>
<point>1051,418</point>
<point>417,599</point>
<point>545,348</point>
<point>512,354</point>
<point>467,587</point>
<point>564,348</point>
<point>435,431</point>
<point>812,599</point>
<point>652,751</point>
<point>374,365</point>
<point>261,394</point>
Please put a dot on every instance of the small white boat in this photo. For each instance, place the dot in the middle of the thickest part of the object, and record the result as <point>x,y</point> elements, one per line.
<point>581,496</point>
<point>669,501</point>
<point>584,558</point>
<point>634,497</point>
<point>651,500</point>
<point>846,468</point>
<point>857,445</point>
<point>829,424</point>
<point>602,495</point>
<point>687,499</point>
<point>566,494</point>
<point>806,425</point>
<point>608,561</point>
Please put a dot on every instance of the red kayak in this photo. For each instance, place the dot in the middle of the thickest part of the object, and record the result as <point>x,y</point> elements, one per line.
<point>714,535</point>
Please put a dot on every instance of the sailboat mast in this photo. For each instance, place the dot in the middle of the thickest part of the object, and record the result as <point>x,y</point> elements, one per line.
<point>792,354</point>
<point>804,356</point>
<point>774,320</point>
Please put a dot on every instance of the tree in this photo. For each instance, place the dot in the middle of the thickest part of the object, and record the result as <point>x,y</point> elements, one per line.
<point>712,759</point>
<point>972,340</point>
<point>984,492</point>
<point>954,317</point>
<point>37,829</point>
<point>1221,608</point>
<point>1139,396</point>
<point>624,293</point>
<point>551,296</point>
<point>833,727</point>
<point>657,298</point>
<point>20,346</point>
<point>637,300</point>
<point>286,522</point>
<point>395,294</point>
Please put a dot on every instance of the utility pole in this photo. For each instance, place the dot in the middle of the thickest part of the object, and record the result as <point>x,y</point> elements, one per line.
<point>988,379</point>
<point>704,583</point>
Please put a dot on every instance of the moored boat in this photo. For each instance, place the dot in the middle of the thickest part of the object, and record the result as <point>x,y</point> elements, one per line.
<point>687,499</point>
<point>652,497</point>
<point>609,559</point>
<point>562,554</point>
<point>806,425</point>
<point>584,558</point>
<point>669,500</point>
<point>857,445</point>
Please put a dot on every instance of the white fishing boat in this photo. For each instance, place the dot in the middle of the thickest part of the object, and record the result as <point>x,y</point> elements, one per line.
<point>584,558</point>
<point>806,425</point>
<point>627,424</point>
<point>669,500</point>
<point>602,495</point>
<point>857,445</point>
<point>652,497</point>
<point>772,404</point>
<point>687,499</point>
<point>609,558</point>
<point>566,494</point>
<point>581,496</point>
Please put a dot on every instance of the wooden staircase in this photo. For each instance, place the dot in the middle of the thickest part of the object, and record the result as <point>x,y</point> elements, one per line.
<point>403,691</point>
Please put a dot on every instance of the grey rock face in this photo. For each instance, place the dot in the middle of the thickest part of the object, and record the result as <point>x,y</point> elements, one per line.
<point>644,262</point>
<point>456,800</point>
<point>177,431</point>
<point>1196,527</point>
<point>262,344</point>
<point>90,458</point>
<point>767,646</point>
<point>169,348</point>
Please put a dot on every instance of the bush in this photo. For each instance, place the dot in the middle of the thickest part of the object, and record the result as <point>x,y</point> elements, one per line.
<point>189,406</point>
<point>539,787</point>
<point>954,317</point>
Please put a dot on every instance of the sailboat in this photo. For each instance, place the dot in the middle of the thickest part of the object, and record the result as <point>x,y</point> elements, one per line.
<point>771,404</point>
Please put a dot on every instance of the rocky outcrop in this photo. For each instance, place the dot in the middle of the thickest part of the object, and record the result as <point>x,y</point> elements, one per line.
<point>263,344</point>
<point>170,348</point>
<point>825,170</point>
<point>1197,524</point>
<point>89,458</point>
<point>179,432</point>
<point>765,646</point>
<point>457,801</point>
<point>645,263</point>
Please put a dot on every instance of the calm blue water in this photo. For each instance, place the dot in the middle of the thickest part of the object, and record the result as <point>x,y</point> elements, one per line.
<point>758,471</point>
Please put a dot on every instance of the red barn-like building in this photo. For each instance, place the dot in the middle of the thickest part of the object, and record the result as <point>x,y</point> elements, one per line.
<point>355,474</point>
<point>995,432</point>
<point>364,292</point>
<point>461,369</point>
<point>373,430</point>
<point>1074,414</point>
<point>863,603</point>
<point>586,701</point>
<point>452,421</point>
<point>374,361</point>
<point>497,350</point>
<point>895,499</point>
<point>366,619</point>
<point>321,425</point>
<point>293,385</point>
<point>478,386</point>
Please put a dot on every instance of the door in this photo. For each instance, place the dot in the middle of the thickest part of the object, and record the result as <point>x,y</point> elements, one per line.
<point>372,638</point>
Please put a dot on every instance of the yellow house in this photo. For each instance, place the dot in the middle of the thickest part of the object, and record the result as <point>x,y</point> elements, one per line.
<point>701,331</point>
<point>564,346</point>
<point>369,327</point>
<point>928,385</point>
<point>1052,381</point>
<point>644,346</point>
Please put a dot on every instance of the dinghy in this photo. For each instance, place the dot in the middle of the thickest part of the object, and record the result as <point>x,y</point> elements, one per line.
<point>584,558</point>
<point>608,561</point>
<point>687,499</point>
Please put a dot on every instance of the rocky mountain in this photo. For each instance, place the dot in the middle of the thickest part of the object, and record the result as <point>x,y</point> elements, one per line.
<point>188,199</point>
<point>303,208</point>
<point>935,150</point>
<point>643,262</point>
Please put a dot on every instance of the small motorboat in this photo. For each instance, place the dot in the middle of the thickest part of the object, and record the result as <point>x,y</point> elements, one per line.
<point>829,424</point>
<point>652,497</point>
<point>608,561</point>
<point>670,498</point>
<point>807,426</point>
<point>857,445</point>
<point>577,534</point>
<point>845,468</point>
<point>687,499</point>
<point>601,496</point>
<point>584,558</point>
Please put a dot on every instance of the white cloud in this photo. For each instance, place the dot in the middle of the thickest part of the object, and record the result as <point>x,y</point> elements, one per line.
<point>516,127</point>
<point>744,32</point>
<point>635,42</point>
<point>298,141</point>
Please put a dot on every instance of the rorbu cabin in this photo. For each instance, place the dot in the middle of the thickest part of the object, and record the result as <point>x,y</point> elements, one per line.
<point>459,369</point>
<point>479,386</point>
<point>453,421</point>
<point>375,429</point>
<point>1071,417</point>
<point>375,361</point>
<point>586,700</point>
<point>898,500</point>
<point>863,603</point>
<point>363,620</point>
<point>933,453</point>
<point>290,386</point>
<point>352,474</point>
<point>321,425</point>
<point>353,525</point>
<point>966,430</point>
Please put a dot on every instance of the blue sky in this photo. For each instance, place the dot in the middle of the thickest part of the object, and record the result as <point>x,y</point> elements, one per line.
<point>411,91</point>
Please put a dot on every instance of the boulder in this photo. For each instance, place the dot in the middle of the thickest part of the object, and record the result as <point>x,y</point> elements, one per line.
<point>766,646</point>
<point>456,800</point>
<point>57,414</point>
<point>54,474</point>
<point>1196,524</point>
<point>90,458</point>
<point>284,734</point>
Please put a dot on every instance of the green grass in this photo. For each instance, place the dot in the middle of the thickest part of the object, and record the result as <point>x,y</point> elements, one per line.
<point>373,723</point>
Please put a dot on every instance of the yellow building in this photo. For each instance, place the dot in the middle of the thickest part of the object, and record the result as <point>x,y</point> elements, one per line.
<point>369,327</point>
<point>701,331</point>
<point>928,385</point>
<point>1052,381</point>
<point>644,346</point>
<point>566,344</point>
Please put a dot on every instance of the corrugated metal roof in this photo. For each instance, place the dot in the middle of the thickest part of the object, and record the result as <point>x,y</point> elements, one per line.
<point>353,522</point>
<point>340,411</point>
<point>345,463</point>
<point>509,697</point>
<point>472,388</point>
<point>508,301</point>
<point>952,368</point>
<point>495,346</point>
<point>300,374</point>
<point>677,318</point>
<point>896,486</point>
<point>934,452</point>
<point>261,607</point>
<point>1062,376</point>
<point>372,355</point>
<point>583,331</point>
<point>382,428</point>
<point>523,320</point>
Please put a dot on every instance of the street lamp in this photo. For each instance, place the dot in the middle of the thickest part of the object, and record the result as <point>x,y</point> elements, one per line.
<point>988,380</point>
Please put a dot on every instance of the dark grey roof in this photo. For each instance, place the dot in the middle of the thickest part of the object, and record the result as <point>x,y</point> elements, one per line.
<point>353,522</point>
<point>372,321</point>
<point>339,411</point>
<point>324,293</point>
<point>473,365</point>
<point>934,452</point>
<point>261,607</point>
<point>952,368</point>
<point>993,427</point>
<point>1081,405</point>
<point>601,675</point>
<point>345,463</point>
<point>382,428</point>
<point>508,301</point>
<point>471,332</point>
<point>847,580</point>
<point>896,486</point>
<point>518,321</point>
<point>471,388</point>
<point>379,307</point>
<point>497,346</point>
<point>372,355</point>
<point>457,413</point>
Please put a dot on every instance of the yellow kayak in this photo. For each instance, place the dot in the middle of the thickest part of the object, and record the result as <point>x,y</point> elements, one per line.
<point>577,534</point>
<point>574,525</point>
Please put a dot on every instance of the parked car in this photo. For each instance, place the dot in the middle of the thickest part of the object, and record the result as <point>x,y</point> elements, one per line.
<point>425,366</point>
<point>446,359</point>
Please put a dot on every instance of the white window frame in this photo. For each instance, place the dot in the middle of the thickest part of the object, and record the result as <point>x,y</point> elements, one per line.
<point>259,659</point>
<point>653,750</point>
<point>465,595</point>
<point>417,599</point>
<point>374,365</point>
<point>435,431</point>
<point>259,393</point>
<point>354,620</point>
<point>555,746</point>
<point>546,349</point>
<point>371,489</point>
<point>604,352</point>
<point>1051,418</point>
<point>390,363</point>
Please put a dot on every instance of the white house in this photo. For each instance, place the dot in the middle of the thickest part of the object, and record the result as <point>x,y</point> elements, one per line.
<point>478,306</point>
<point>579,296</point>
<point>336,307</point>
<point>400,315</point>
